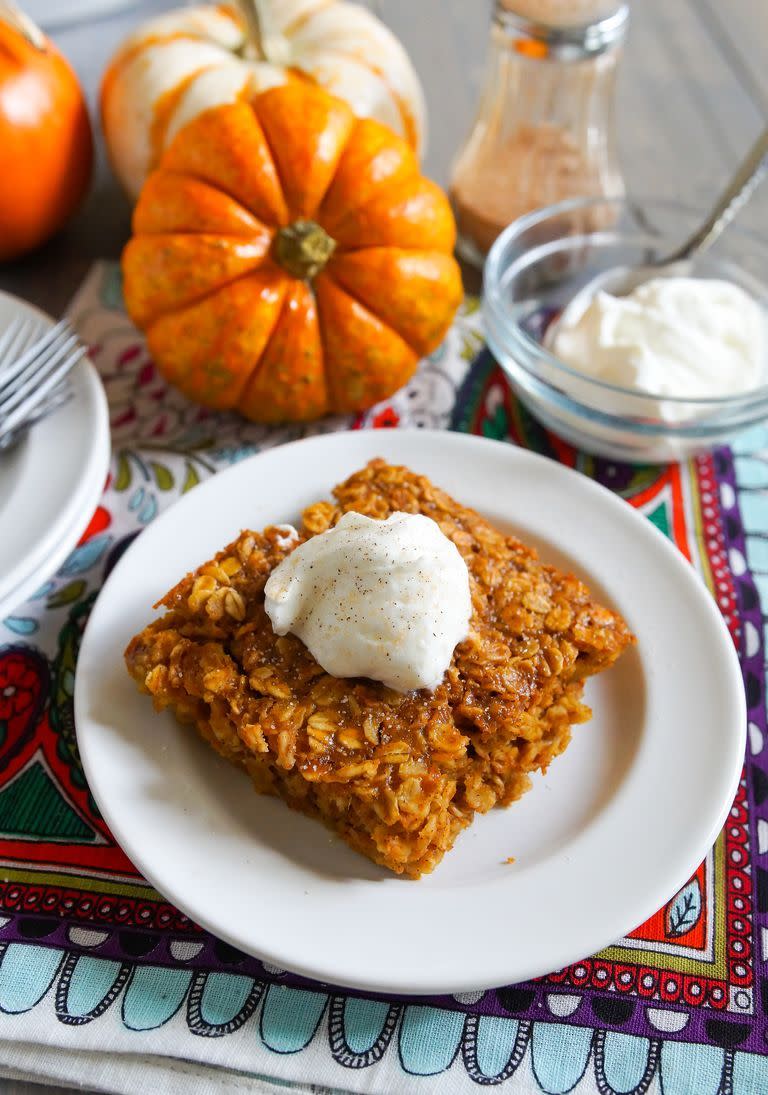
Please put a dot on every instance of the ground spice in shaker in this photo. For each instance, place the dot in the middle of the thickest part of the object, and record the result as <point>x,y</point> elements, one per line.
<point>544,129</point>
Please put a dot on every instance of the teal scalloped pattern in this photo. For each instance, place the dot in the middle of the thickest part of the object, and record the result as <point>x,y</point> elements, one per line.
<point>359,1033</point>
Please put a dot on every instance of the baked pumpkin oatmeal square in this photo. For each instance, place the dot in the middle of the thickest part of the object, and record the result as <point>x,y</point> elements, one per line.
<point>396,775</point>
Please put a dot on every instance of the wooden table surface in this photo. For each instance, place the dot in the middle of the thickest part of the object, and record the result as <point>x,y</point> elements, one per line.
<point>693,94</point>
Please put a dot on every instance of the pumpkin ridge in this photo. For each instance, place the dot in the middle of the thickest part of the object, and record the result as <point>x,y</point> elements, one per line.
<point>337,397</point>
<point>252,374</point>
<point>385,141</point>
<point>330,387</point>
<point>240,383</point>
<point>406,116</point>
<point>163,112</point>
<point>223,190</point>
<point>275,159</point>
<point>417,341</point>
<point>198,298</point>
<point>301,20</point>
<point>129,51</point>
<point>401,192</point>
<point>230,130</point>
<point>177,180</point>
<point>125,55</point>
<point>272,156</point>
<point>218,235</point>
<point>328,272</point>
<point>265,360</point>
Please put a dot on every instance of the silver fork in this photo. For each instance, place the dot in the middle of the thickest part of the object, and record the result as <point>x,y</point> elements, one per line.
<point>33,375</point>
<point>57,399</point>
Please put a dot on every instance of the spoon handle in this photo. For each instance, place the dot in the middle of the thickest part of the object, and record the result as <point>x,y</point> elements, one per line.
<point>749,175</point>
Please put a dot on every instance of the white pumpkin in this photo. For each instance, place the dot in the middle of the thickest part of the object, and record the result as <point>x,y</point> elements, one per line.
<point>179,64</point>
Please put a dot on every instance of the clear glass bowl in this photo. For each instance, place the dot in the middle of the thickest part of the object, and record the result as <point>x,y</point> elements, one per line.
<point>538,264</point>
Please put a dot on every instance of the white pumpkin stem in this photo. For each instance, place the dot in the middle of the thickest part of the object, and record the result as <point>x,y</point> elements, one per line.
<point>14,17</point>
<point>249,10</point>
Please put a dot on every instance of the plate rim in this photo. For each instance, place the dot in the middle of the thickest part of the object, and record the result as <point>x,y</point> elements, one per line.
<point>68,524</point>
<point>92,491</point>
<point>439,984</point>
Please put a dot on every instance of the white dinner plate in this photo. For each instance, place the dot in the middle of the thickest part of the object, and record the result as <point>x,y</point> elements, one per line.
<point>50,483</point>
<point>619,822</point>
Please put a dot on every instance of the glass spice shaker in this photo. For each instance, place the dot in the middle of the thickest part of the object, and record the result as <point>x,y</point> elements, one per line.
<point>544,130</point>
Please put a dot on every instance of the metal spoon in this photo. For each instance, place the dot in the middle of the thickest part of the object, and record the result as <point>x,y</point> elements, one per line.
<point>621,280</point>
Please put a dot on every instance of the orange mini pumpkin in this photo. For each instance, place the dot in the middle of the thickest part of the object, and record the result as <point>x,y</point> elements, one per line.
<point>289,260</point>
<point>45,136</point>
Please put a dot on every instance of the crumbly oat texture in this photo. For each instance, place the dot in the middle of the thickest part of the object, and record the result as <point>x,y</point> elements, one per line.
<point>398,776</point>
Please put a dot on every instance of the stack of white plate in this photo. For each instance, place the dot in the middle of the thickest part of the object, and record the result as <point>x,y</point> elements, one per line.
<point>51,482</point>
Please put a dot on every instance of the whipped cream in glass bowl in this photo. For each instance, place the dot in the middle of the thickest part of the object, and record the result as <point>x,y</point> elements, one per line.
<point>388,600</point>
<point>677,366</point>
<point>676,336</point>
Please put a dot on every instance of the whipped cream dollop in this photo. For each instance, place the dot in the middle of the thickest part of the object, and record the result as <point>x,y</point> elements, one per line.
<point>387,600</point>
<point>683,337</point>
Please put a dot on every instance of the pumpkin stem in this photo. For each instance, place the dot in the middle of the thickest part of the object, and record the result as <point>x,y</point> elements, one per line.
<point>303,248</point>
<point>254,38</point>
<point>14,17</point>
